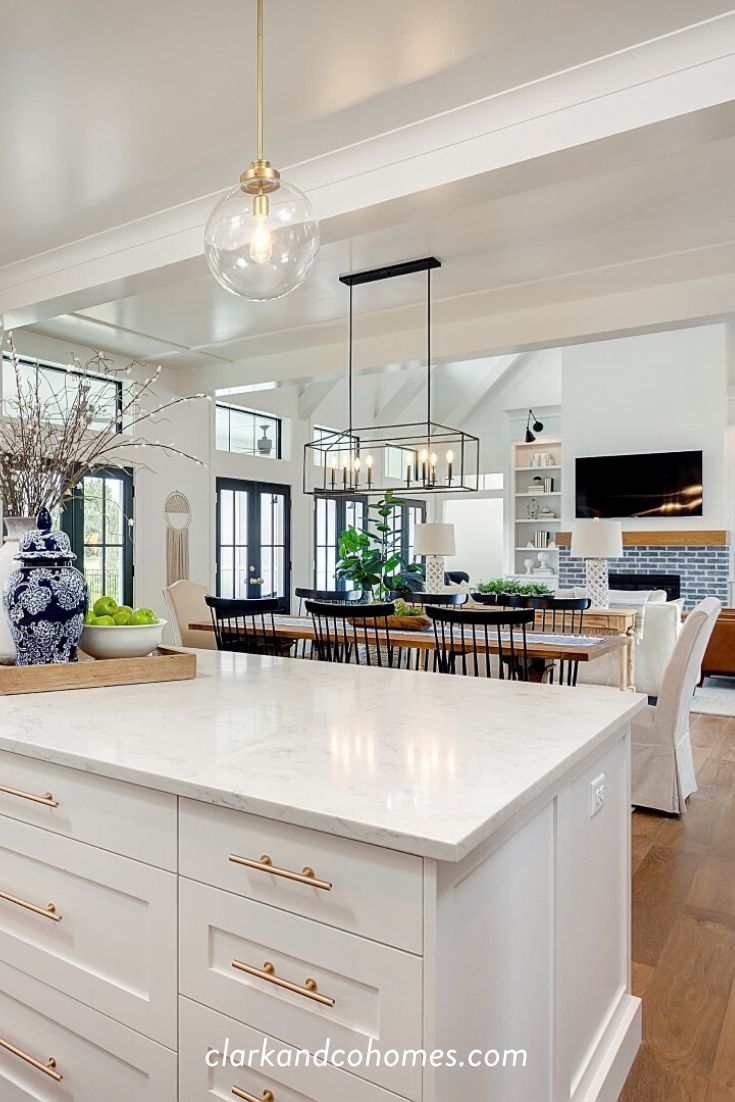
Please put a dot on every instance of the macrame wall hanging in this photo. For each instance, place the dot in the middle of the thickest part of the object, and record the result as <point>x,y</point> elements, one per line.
<point>178,518</point>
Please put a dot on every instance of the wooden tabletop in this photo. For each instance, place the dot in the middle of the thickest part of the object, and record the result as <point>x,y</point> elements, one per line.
<point>580,648</point>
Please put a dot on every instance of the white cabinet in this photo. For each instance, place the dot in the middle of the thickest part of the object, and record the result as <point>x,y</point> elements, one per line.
<point>111,941</point>
<point>366,890</point>
<point>204,1034</point>
<point>235,953</point>
<point>135,822</point>
<point>98,1059</point>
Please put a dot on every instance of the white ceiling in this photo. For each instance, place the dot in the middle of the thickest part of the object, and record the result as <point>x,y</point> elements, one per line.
<point>111,112</point>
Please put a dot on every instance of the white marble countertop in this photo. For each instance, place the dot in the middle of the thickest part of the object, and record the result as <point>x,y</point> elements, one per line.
<point>418,762</point>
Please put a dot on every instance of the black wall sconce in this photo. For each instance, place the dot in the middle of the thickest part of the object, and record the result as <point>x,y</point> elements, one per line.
<point>532,423</point>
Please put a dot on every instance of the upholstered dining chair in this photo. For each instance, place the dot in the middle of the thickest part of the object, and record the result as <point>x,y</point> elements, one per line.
<point>247,626</point>
<point>353,633</point>
<point>186,603</point>
<point>663,766</point>
<point>463,641</point>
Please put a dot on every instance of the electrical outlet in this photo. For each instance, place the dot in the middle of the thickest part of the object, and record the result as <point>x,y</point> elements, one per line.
<point>598,794</point>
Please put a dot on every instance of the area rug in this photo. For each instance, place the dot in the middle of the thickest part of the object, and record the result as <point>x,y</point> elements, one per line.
<point>716,697</point>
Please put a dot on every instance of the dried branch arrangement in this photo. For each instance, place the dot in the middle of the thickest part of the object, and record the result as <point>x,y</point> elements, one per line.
<point>49,439</point>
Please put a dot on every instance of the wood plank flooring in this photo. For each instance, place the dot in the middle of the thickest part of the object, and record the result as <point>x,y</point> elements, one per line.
<point>684,934</point>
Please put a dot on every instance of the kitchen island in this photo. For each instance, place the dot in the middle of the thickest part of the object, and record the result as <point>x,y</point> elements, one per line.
<point>308,854</point>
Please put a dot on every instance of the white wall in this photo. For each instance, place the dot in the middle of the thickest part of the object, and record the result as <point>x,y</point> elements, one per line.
<point>658,392</point>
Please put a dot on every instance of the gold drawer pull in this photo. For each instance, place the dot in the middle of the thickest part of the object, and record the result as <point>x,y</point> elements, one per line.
<point>268,973</point>
<point>47,800</point>
<point>46,912</point>
<point>266,1096</point>
<point>265,864</point>
<point>49,1068</point>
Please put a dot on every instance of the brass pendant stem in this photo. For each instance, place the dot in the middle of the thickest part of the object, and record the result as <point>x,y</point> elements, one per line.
<point>259,156</point>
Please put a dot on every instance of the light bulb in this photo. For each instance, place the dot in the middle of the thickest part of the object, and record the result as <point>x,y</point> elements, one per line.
<point>261,242</point>
<point>450,456</point>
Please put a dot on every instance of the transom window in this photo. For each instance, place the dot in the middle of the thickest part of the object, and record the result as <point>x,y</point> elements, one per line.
<point>58,387</point>
<point>344,446</point>
<point>248,432</point>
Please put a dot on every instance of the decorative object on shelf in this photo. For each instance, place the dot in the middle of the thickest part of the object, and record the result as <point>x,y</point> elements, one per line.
<point>45,598</point>
<point>262,238</point>
<point>528,563</point>
<point>545,513</point>
<point>432,458</point>
<point>544,564</point>
<point>532,509</point>
<point>177,511</point>
<point>548,484</point>
<point>15,527</point>
<point>551,545</point>
<point>370,557</point>
<point>541,459</point>
<point>434,541</point>
<point>265,442</point>
<point>537,427</point>
<point>597,541</point>
<point>536,485</point>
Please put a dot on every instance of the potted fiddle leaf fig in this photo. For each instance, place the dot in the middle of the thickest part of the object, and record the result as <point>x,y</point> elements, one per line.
<point>370,557</point>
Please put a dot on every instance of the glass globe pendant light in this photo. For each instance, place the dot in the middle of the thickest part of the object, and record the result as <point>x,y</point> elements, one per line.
<point>262,238</point>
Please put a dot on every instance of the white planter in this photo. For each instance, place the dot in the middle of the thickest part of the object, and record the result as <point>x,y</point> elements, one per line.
<point>16,526</point>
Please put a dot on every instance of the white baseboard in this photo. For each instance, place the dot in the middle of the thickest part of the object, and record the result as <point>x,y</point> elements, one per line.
<point>614,1057</point>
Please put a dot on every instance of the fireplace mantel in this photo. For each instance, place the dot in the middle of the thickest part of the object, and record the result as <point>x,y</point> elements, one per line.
<point>679,538</point>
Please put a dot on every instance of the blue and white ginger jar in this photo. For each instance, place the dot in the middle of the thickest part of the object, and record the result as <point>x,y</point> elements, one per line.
<point>45,599</point>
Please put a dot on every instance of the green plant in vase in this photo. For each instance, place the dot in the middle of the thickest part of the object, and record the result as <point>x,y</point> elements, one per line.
<point>507,585</point>
<point>370,557</point>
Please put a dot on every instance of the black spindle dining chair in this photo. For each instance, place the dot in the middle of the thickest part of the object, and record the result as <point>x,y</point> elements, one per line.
<point>464,641</point>
<point>247,626</point>
<point>562,616</point>
<point>439,599</point>
<point>353,633</point>
<point>305,647</point>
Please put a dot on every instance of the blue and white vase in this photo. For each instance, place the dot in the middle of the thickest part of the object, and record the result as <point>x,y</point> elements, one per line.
<point>45,599</point>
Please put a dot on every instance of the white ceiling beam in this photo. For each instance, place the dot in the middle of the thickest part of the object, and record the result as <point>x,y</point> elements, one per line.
<point>312,395</point>
<point>687,71</point>
<point>474,387</point>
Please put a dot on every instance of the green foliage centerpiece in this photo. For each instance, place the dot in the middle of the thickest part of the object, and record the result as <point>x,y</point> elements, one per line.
<point>370,556</point>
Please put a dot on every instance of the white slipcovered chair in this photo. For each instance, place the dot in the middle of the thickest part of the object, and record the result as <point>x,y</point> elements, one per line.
<point>663,766</point>
<point>186,605</point>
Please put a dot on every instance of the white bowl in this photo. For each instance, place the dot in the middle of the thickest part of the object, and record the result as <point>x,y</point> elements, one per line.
<point>122,641</point>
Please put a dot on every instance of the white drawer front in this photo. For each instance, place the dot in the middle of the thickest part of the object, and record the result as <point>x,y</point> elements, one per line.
<point>202,1030</point>
<point>124,818</point>
<point>376,893</point>
<point>99,1059</point>
<point>115,946</point>
<point>377,991</point>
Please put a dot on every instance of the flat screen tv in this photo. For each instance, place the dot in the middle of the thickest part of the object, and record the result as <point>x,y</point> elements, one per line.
<point>652,485</point>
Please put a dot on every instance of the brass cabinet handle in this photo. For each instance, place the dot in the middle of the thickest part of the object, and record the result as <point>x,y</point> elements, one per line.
<point>49,1068</point>
<point>46,912</point>
<point>268,973</point>
<point>47,800</point>
<point>266,1096</point>
<point>306,876</point>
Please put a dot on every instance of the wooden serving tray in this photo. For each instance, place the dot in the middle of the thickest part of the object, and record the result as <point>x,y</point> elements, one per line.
<point>164,664</point>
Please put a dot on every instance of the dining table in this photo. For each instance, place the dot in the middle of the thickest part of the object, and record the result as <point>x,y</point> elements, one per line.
<point>541,647</point>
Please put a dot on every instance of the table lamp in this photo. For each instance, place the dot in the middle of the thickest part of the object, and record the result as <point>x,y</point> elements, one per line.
<point>434,541</point>
<point>596,541</point>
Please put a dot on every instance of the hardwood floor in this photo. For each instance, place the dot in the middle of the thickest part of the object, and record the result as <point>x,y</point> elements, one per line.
<point>684,934</point>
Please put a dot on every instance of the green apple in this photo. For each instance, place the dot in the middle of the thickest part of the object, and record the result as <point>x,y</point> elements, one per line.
<point>105,606</point>
<point>144,616</point>
<point>105,622</point>
<point>122,617</point>
<point>125,608</point>
<point>90,618</point>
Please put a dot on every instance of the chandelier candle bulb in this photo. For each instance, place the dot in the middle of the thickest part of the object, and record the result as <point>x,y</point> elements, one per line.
<point>450,461</point>
<point>333,469</point>
<point>357,471</point>
<point>369,465</point>
<point>433,460</point>
<point>424,460</point>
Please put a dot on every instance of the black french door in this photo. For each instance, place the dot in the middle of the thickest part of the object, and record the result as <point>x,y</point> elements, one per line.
<point>254,540</point>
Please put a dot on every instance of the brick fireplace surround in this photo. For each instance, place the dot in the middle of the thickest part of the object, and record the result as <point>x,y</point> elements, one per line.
<point>701,559</point>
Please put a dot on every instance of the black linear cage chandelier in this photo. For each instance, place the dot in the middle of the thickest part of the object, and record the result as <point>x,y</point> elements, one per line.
<point>418,457</point>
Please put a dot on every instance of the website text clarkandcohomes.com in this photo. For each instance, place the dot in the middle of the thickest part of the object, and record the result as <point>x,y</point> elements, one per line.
<point>270,1055</point>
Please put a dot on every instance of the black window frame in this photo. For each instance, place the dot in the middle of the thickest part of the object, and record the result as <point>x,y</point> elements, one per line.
<point>72,522</point>
<point>58,369</point>
<point>340,523</point>
<point>256,416</point>
<point>254,488</point>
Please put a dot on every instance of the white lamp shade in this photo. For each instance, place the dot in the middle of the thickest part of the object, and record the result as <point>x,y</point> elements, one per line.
<point>597,539</point>
<point>434,539</point>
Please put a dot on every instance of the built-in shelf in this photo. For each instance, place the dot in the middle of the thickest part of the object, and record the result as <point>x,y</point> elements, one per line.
<point>549,550</point>
<point>535,520</point>
<point>522,493</point>
<point>536,470</point>
<point>541,493</point>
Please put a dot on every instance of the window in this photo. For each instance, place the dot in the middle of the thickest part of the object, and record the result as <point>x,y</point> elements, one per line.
<point>397,460</point>
<point>98,521</point>
<point>58,387</point>
<point>248,432</point>
<point>333,514</point>
<point>340,445</point>
<point>253,540</point>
